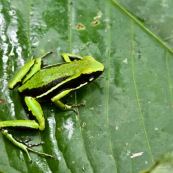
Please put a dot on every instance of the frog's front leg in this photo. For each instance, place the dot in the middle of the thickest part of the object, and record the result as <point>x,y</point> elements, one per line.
<point>57,102</point>
<point>39,124</point>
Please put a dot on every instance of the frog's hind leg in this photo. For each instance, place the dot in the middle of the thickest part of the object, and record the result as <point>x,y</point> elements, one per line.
<point>27,71</point>
<point>22,145</point>
<point>16,143</point>
<point>39,124</point>
<point>36,111</point>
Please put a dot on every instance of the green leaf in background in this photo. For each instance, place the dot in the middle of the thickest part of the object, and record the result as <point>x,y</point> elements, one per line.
<point>127,122</point>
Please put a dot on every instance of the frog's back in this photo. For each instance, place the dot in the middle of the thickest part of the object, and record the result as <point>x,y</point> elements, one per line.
<point>50,81</point>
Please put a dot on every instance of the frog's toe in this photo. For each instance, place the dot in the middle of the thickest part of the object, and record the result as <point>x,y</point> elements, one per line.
<point>78,105</point>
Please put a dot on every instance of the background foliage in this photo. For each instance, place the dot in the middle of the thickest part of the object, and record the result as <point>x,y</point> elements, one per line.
<point>127,122</point>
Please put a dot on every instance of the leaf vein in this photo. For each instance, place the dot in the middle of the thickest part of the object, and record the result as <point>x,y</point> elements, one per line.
<point>108,86</point>
<point>169,77</point>
<point>136,91</point>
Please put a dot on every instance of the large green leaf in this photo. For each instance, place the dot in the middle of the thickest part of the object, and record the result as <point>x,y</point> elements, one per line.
<point>127,121</point>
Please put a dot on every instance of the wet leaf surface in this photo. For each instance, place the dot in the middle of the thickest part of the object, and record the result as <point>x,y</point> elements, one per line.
<point>127,121</point>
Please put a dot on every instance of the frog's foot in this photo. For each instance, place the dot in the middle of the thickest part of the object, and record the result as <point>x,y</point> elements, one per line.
<point>23,140</point>
<point>35,145</point>
<point>73,106</point>
<point>27,143</point>
<point>78,105</point>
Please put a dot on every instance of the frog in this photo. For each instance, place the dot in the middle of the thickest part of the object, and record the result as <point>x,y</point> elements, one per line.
<point>38,82</point>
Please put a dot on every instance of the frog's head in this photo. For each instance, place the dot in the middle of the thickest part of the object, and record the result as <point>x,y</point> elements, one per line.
<point>93,69</point>
<point>92,64</point>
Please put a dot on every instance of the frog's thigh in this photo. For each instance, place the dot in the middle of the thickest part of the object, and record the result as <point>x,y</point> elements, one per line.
<point>57,102</point>
<point>36,110</point>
